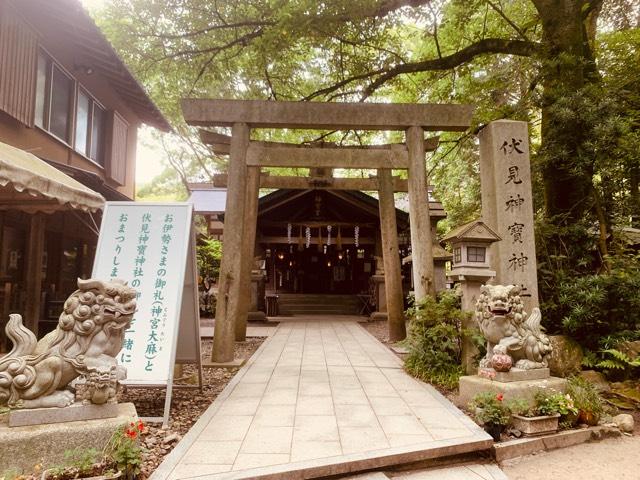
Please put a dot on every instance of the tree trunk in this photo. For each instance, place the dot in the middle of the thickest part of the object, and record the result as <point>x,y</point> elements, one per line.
<point>569,67</point>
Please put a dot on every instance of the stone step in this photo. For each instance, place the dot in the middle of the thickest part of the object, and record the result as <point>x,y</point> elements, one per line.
<point>465,471</point>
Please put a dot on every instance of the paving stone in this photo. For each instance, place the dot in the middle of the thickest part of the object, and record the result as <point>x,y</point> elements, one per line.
<point>218,453</point>
<point>315,428</point>
<point>308,450</point>
<point>323,398</point>
<point>261,439</point>
<point>252,460</point>
<point>227,428</point>
<point>315,405</point>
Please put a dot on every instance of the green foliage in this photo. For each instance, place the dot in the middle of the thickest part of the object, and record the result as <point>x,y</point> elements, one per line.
<point>490,408</point>
<point>79,462</point>
<point>435,340</point>
<point>124,450</point>
<point>550,403</point>
<point>81,458</point>
<point>585,396</point>
<point>599,311</point>
<point>208,254</point>
<point>612,361</point>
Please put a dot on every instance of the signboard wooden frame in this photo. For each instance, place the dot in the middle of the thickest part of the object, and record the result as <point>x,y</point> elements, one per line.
<point>184,329</point>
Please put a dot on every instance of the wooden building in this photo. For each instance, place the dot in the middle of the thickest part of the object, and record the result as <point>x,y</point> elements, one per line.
<point>316,247</point>
<point>67,98</point>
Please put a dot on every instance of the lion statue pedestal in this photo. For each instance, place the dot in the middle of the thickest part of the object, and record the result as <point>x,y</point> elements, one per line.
<point>517,349</point>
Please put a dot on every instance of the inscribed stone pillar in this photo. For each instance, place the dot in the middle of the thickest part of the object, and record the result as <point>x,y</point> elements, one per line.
<point>230,264</point>
<point>248,249</point>
<point>507,205</point>
<point>421,246</point>
<point>391,257</point>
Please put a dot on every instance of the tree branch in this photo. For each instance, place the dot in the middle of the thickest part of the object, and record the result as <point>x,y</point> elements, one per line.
<point>482,47</point>
<point>507,19</point>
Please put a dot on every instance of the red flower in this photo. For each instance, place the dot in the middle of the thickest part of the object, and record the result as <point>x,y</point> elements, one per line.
<point>140,426</point>
<point>132,434</point>
<point>499,397</point>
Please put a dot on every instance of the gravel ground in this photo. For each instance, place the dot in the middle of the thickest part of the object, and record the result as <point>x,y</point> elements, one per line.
<point>186,405</point>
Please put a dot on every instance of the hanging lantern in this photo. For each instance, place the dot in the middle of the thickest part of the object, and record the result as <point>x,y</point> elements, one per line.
<point>300,240</point>
<point>328,235</point>
<point>308,235</point>
<point>339,240</point>
<point>356,235</point>
<point>289,233</point>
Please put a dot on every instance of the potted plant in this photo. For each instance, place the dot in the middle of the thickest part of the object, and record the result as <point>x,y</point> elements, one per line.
<point>121,458</point>
<point>544,416</point>
<point>491,412</point>
<point>587,400</point>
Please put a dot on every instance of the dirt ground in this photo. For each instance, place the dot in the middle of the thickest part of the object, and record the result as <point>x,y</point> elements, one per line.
<point>610,459</point>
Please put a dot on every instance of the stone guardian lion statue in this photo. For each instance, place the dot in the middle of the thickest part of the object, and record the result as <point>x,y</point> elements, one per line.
<point>89,335</point>
<point>507,329</point>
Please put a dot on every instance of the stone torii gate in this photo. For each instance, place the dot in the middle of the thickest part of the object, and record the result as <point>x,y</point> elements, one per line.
<point>244,180</point>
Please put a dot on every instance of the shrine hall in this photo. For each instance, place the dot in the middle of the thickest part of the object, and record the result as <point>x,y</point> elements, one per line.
<point>319,250</point>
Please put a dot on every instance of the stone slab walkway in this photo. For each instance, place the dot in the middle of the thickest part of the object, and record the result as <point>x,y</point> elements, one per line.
<point>320,397</point>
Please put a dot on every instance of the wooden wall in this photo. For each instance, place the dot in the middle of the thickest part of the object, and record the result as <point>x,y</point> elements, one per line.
<point>18,56</point>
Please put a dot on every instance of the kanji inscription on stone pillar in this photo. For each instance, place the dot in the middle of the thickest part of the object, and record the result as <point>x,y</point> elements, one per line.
<point>507,205</point>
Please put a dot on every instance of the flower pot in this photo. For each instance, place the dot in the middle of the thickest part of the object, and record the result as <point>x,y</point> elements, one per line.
<point>494,429</point>
<point>589,418</point>
<point>530,426</point>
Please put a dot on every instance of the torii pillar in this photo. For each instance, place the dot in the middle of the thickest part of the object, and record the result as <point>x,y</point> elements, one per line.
<point>391,257</point>
<point>231,272</point>
<point>421,243</point>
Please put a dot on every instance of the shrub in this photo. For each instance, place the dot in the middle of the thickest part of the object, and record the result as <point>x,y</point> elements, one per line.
<point>600,312</point>
<point>209,253</point>
<point>491,409</point>
<point>435,340</point>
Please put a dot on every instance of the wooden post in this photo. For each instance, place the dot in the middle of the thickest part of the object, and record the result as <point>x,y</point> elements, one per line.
<point>391,257</point>
<point>248,250</point>
<point>421,246</point>
<point>35,254</point>
<point>231,264</point>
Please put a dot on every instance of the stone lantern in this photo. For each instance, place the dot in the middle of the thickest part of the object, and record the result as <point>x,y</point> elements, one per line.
<point>471,268</point>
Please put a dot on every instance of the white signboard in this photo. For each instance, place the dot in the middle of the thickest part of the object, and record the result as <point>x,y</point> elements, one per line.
<point>147,244</point>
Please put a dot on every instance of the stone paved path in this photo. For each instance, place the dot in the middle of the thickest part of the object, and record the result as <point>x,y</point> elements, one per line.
<point>320,396</point>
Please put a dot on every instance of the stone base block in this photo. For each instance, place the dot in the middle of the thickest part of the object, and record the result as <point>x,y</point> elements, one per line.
<point>525,389</point>
<point>515,374</point>
<point>24,447</point>
<point>73,413</point>
<point>378,316</point>
<point>235,363</point>
<point>256,316</point>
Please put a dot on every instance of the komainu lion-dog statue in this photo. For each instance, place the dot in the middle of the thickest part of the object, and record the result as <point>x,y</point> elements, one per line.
<point>89,335</point>
<point>507,329</point>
